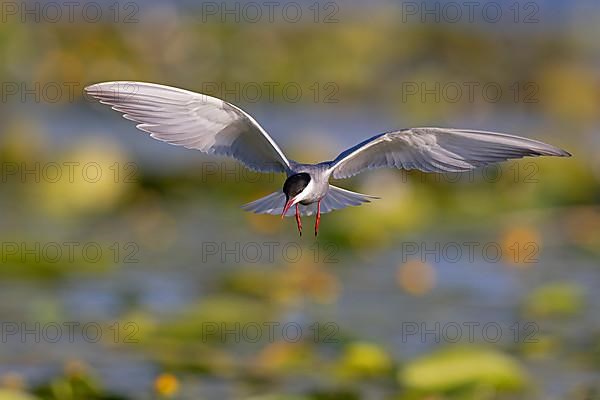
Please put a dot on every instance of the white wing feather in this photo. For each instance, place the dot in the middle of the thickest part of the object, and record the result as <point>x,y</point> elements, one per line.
<point>194,121</point>
<point>437,150</point>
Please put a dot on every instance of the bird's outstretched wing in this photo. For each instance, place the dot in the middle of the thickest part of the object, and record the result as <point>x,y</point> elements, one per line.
<point>195,121</point>
<point>437,150</point>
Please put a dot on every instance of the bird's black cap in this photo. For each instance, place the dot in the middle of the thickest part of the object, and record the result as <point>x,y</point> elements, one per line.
<point>295,184</point>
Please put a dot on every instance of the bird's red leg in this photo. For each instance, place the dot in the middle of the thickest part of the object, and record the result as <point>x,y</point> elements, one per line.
<point>298,220</point>
<point>318,219</point>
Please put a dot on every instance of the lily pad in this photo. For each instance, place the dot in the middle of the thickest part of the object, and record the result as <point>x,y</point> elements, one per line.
<point>555,300</point>
<point>456,367</point>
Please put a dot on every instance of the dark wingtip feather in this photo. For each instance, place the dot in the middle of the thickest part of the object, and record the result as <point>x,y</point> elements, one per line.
<point>95,87</point>
<point>557,152</point>
<point>564,153</point>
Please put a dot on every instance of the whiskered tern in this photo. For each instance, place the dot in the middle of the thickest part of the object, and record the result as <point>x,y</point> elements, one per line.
<point>214,126</point>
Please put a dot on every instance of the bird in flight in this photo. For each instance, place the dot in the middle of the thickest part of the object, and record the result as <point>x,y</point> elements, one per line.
<point>197,121</point>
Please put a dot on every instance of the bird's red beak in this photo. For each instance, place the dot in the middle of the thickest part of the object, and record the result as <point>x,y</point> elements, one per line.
<point>287,206</point>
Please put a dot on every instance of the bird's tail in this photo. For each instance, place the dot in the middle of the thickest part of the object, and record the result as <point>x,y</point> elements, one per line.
<point>271,204</point>
<point>335,199</point>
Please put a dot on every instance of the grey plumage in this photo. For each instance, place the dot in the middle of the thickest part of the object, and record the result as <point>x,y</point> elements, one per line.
<point>211,125</point>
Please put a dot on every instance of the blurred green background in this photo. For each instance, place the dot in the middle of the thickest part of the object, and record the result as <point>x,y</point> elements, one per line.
<point>167,283</point>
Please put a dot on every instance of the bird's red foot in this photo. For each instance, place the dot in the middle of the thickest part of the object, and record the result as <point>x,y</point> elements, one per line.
<point>298,220</point>
<point>318,219</point>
